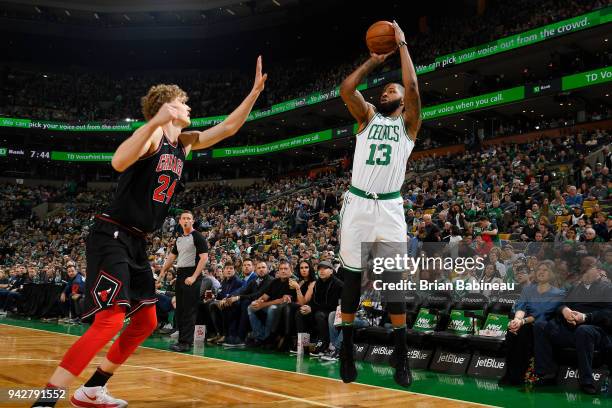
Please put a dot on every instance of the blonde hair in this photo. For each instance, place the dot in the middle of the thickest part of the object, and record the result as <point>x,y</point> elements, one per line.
<point>549,265</point>
<point>157,96</point>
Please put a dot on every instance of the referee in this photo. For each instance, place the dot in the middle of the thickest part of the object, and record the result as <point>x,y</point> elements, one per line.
<point>191,254</point>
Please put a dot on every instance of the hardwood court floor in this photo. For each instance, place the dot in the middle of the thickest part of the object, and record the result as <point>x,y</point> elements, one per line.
<point>156,378</point>
<point>215,376</point>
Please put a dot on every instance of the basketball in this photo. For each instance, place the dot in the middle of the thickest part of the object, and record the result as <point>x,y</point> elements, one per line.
<point>380,37</point>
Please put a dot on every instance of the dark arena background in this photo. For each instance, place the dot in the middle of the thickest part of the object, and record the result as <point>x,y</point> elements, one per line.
<point>511,164</point>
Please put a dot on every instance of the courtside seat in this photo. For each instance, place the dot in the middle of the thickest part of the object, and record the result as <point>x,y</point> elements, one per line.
<point>463,321</point>
<point>384,336</point>
<point>413,304</point>
<point>374,335</point>
<point>567,356</point>
<point>498,316</point>
<point>432,316</point>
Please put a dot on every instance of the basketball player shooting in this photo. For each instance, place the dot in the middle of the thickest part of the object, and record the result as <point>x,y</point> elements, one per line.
<point>120,282</point>
<point>372,210</point>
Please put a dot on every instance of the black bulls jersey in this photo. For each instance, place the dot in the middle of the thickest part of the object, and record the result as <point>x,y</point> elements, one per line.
<point>146,188</point>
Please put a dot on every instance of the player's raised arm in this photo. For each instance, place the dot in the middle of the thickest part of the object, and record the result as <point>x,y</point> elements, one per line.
<point>231,124</point>
<point>361,110</point>
<point>137,145</point>
<point>412,99</point>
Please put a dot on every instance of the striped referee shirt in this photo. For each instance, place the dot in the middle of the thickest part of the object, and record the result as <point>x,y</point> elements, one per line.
<point>188,248</point>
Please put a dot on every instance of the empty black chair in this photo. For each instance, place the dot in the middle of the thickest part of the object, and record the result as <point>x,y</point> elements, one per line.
<point>432,316</point>
<point>413,304</point>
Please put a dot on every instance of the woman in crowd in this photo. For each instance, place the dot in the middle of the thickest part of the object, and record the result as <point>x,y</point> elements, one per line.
<point>538,301</point>
<point>491,275</point>
<point>303,289</point>
<point>495,259</point>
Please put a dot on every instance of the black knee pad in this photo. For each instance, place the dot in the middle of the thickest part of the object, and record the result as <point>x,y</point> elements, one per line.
<point>350,291</point>
<point>396,308</point>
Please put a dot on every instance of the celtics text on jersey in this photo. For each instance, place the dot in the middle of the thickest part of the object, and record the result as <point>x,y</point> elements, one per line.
<point>381,153</point>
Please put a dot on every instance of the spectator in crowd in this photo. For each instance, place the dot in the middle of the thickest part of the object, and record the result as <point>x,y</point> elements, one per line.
<point>72,296</point>
<point>4,287</point>
<point>573,197</point>
<point>210,284</point>
<point>538,302</point>
<point>244,297</point>
<point>222,313</point>
<point>323,297</point>
<point>303,290</point>
<point>13,294</point>
<point>579,324</point>
<point>164,292</point>
<point>268,307</point>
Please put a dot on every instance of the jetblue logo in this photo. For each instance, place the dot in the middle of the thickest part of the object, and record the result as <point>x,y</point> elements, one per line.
<point>574,374</point>
<point>451,358</point>
<point>417,355</point>
<point>382,350</point>
<point>490,363</point>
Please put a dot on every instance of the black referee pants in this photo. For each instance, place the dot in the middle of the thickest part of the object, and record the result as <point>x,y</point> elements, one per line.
<point>187,299</point>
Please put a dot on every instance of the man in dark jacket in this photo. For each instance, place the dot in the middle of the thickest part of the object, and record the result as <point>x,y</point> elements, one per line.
<point>229,286</point>
<point>72,295</point>
<point>267,307</point>
<point>330,201</point>
<point>241,300</point>
<point>583,322</point>
<point>325,297</point>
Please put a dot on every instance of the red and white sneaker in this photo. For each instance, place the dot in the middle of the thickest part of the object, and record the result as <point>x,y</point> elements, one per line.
<point>96,397</point>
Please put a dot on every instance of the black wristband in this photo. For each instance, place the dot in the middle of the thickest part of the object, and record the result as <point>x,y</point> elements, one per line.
<point>401,43</point>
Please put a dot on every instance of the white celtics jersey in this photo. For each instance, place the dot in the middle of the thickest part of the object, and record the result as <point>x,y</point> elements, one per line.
<point>381,153</point>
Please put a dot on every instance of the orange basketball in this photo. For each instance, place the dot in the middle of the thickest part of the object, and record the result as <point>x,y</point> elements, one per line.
<point>380,37</point>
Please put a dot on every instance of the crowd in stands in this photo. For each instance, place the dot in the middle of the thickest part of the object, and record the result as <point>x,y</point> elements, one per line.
<point>273,269</point>
<point>16,201</point>
<point>82,95</point>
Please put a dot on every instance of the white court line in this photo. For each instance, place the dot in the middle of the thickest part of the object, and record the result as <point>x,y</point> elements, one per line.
<point>284,371</point>
<point>242,387</point>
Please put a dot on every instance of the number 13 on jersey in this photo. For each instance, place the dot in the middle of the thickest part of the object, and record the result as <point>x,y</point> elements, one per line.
<point>384,156</point>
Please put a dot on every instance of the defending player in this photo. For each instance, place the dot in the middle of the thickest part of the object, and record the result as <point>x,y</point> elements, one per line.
<point>372,210</point>
<point>119,278</point>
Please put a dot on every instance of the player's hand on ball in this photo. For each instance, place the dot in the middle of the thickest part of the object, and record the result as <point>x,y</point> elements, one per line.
<point>167,113</point>
<point>380,58</point>
<point>260,79</point>
<point>399,34</point>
